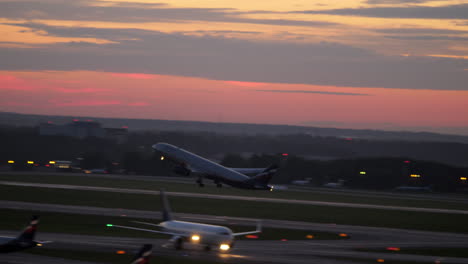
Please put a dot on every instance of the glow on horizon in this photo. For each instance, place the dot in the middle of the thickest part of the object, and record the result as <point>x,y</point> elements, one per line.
<point>187,98</point>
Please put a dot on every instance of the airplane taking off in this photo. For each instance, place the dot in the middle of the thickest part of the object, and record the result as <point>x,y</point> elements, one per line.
<point>143,255</point>
<point>191,164</point>
<point>208,235</point>
<point>24,241</point>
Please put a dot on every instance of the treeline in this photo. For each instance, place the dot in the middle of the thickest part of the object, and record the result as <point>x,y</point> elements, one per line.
<point>318,159</point>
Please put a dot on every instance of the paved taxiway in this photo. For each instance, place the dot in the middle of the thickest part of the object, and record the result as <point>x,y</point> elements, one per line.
<point>248,251</point>
<point>279,252</point>
<point>233,197</point>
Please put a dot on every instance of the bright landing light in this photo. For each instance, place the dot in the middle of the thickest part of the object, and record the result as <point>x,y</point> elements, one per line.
<point>195,238</point>
<point>224,247</point>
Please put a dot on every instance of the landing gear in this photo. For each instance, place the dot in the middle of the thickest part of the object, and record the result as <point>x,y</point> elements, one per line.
<point>178,244</point>
<point>200,182</point>
<point>218,184</point>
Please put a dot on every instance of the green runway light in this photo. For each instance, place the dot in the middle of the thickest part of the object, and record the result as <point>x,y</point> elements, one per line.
<point>110,225</point>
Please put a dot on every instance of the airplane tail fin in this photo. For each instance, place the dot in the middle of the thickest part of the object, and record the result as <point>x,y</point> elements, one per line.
<point>166,209</point>
<point>265,176</point>
<point>143,255</point>
<point>272,168</point>
<point>30,231</point>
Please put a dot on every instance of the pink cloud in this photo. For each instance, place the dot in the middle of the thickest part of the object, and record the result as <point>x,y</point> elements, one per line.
<point>135,75</point>
<point>11,82</point>
<point>85,103</point>
<point>246,84</point>
<point>138,104</point>
<point>16,104</point>
<point>8,78</point>
<point>81,90</point>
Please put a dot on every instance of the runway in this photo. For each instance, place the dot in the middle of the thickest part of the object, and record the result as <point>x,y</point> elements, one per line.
<point>248,251</point>
<point>238,198</point>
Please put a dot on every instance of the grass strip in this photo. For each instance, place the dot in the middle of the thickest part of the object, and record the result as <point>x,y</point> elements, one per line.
<point>263,210</point>
<point>209,189</point>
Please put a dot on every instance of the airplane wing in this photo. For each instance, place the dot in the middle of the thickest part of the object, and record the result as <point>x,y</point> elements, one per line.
<point>146,230</point>
<point>259,230</point>
<point>248,171</point>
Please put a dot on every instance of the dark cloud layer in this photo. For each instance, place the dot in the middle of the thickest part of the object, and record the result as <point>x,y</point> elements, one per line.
<point>428,31</point>
<point>428,37</point>
<point>311,92</point>
<point>128,12</point>
<point>443,12</point>
<point>396,2</point>
<point>220,58</point>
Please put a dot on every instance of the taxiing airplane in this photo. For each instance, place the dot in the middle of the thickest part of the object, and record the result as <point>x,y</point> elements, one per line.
<point>24,241</point>
<point>143,255</point>
<point>191,164</point>
<point>207,235</point>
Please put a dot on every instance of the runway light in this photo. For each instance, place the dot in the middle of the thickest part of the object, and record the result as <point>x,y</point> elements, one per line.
<point>11,162</point>
<point>224,247</point>
<point>52,162</point>
<point>393,249</point>
<point>109,225</point>
<point>251,236</point>
<point>30,162</point>
<point>380,260</point>
<point>415,176</point>
<point>39,244</point>
<point>195,238</point>
<point>120,252</point>
<point>285,154</point>
<point>463,178</point>
<point>309,236</point>
<point>343,235</point>
<point>284,240</point>
<point>162,157</point>
<point>362,172</point>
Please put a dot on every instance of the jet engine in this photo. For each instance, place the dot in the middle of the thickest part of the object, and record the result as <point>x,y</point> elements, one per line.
<point>181,170</point>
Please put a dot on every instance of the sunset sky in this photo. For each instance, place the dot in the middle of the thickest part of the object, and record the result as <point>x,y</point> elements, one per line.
<point>379,64</point>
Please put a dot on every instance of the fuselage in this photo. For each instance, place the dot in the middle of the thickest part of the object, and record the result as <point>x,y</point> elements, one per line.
<point>200,233</point>
<point>211,169</point>
<point>13,244</point>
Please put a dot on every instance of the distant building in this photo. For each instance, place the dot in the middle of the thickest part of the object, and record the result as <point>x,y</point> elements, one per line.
<point>83,129</point>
